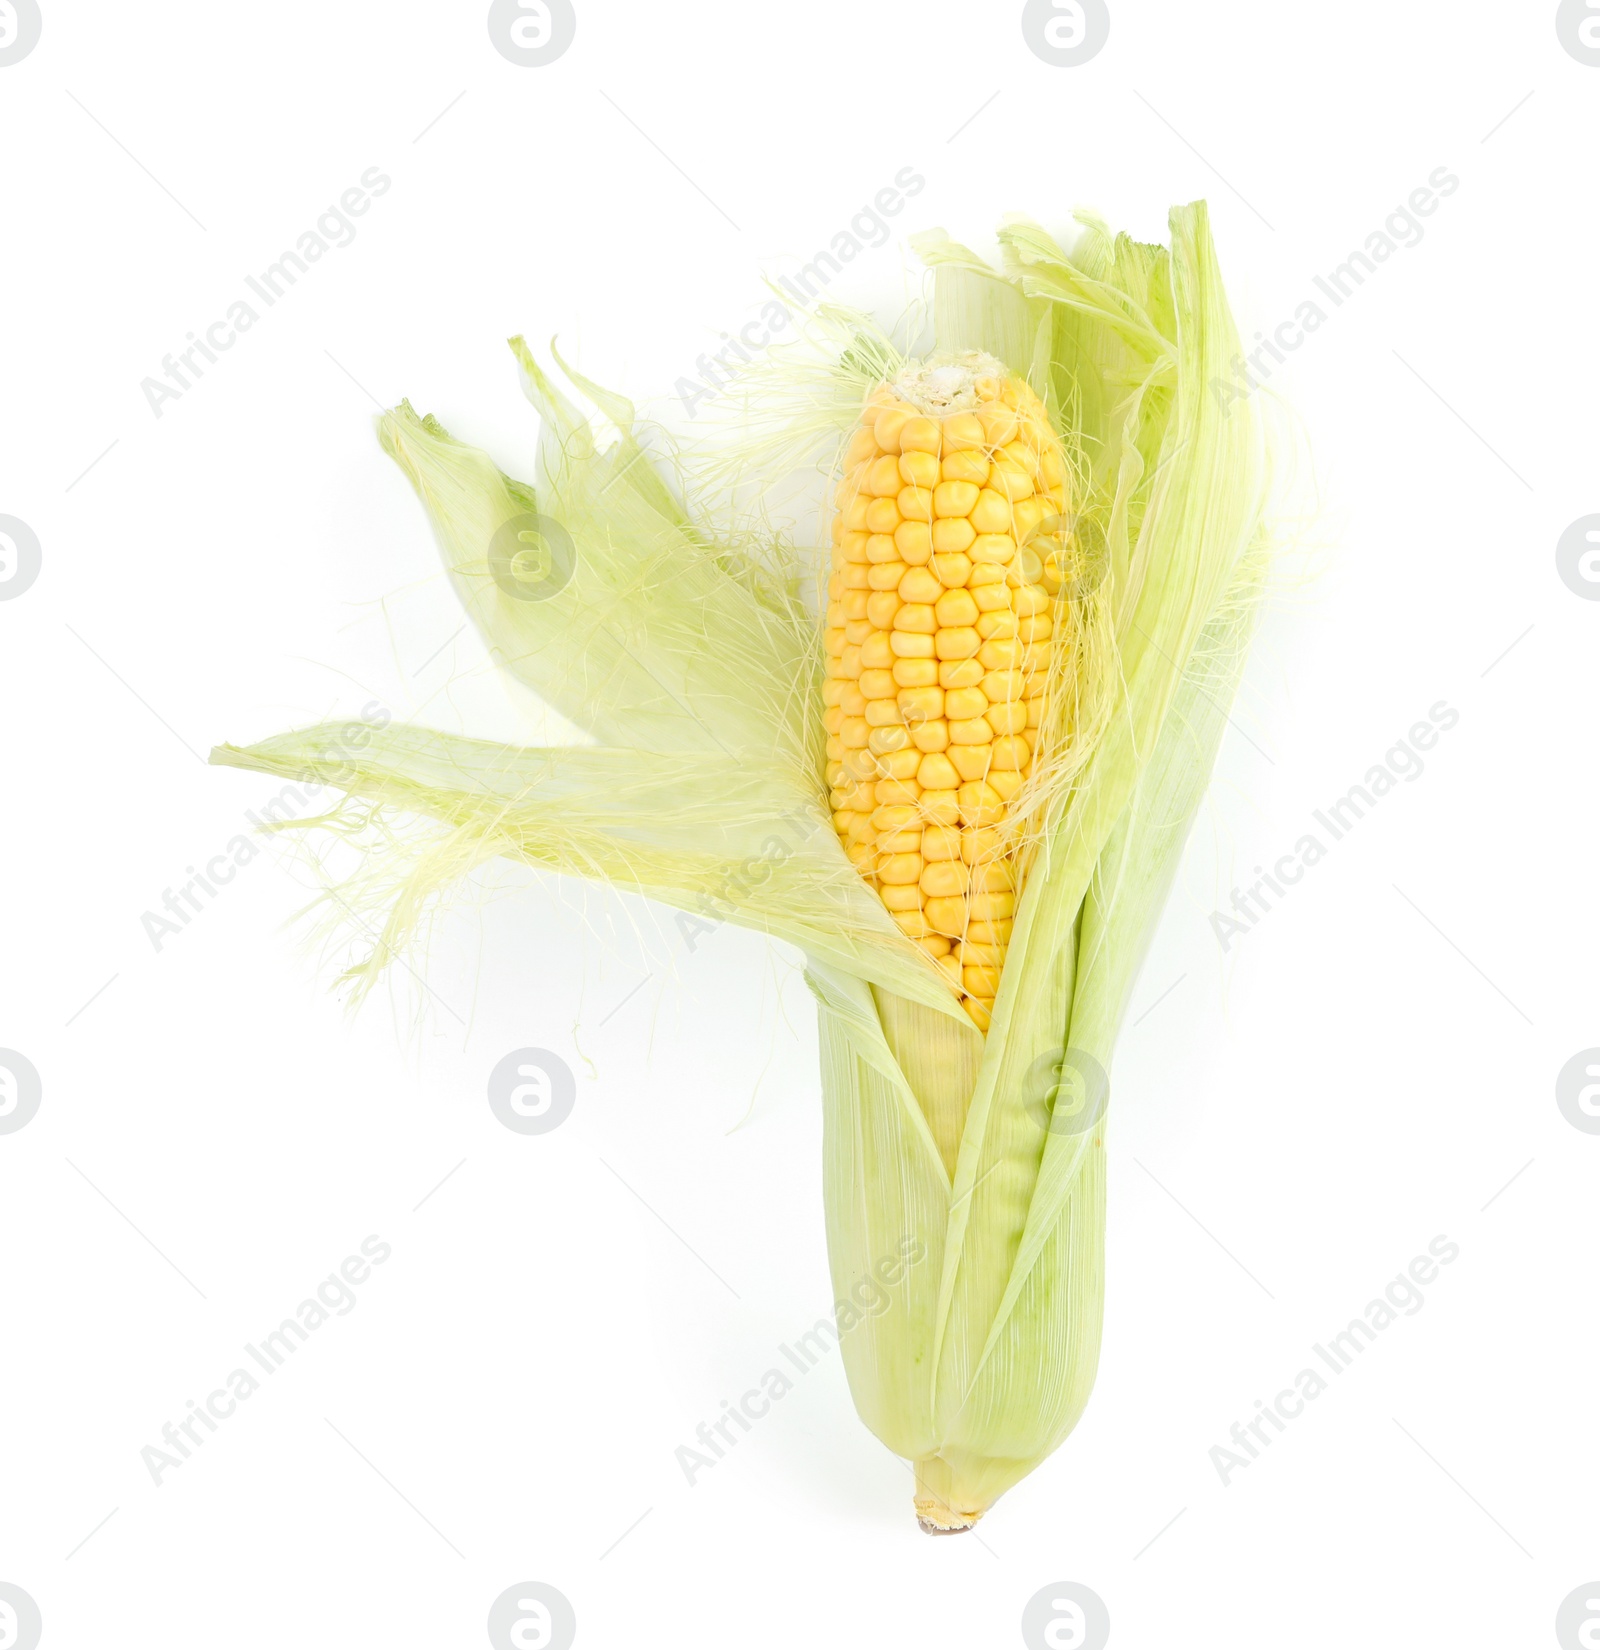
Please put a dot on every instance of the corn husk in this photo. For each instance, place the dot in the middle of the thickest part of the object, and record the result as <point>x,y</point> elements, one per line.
<point>688,654</point>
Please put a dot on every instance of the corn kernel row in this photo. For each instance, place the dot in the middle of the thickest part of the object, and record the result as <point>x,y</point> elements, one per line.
<point>939,636</point>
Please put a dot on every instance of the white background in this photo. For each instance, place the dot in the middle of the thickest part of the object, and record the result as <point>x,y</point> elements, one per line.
<point>1296,1117</point>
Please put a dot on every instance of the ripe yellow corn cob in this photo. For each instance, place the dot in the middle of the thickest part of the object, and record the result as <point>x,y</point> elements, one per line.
<point>939,642</point>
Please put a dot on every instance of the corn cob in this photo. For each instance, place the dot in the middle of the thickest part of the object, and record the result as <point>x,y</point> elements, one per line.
<point>938,635</point>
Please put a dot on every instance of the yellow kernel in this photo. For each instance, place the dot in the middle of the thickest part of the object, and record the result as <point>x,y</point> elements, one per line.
<point>854,733</point>
<point>881,516</point>
<point>901,842</point>
<point>981,982</point>
<point>946,916</point>
<point>1029,515</point>
<point>960,673</point>
<point>920,435</point>
<point>940,807</point>
<point>843,818</point>
<point>853,546</point>
<point>990,933</point>
<point>970,465</point>
<point>984,843</point>
<point>884,575</point>
<point>1001,655</point>
<point>894,816</point>
<point>919,585</point>
<point>931,737</point>
<point>1052,466</point>
<point>951,533</point>
<point>958,642</point>
<point>952,969</point>
<point>854,515</point>
<point>961,430</point>
<point>881,550</point>
<point>857,576</point>
<point>919,470</point>
<point>965,703</point>
<point>914,504</point>
<point>889,424</point>
<point>882,479</point>
<point>901,896</point>
<point>877,684</point>
<point>915,926</point>
<point>883,740</point>
<point>955,608</point>
<point>856,632</point>
<point>971,762</point>
<point>914,540</point>
<point>954,498</point>
<point>1039,628</point>
<point>854,605</point>
<point>974,732</point>
<point>908,644</point>
<point>915,672</point>
<point>979,956</point>
<point>1030,599</point>
<point>940,842</point>
<point>899,868</point>
<point>990,512</point>
<point>1000,423</point>
<point>901,764</point>
<point>831,690</point>
<point>1035,711</point>
<point>986,907</point>
<point>935,773</point>
<point>852,699</point>
<point>951,568</point>
<point>993,876</point>
<point>915,616</point>
<point>1000,621</point>
<point>1000,547</point>
<point>874,655</point>
<point>926,704</point>
<point>1020,456</point>
<point>992,598</point>
<point>981,805</point>
<point>1011,750</point>
<point>884,713</point>
<point>1008,718</point>
<point>1006,781</point>
<point>882,608</point>
<point>978,1012</point>
<point>936,945</point>
<point>944,878</point>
